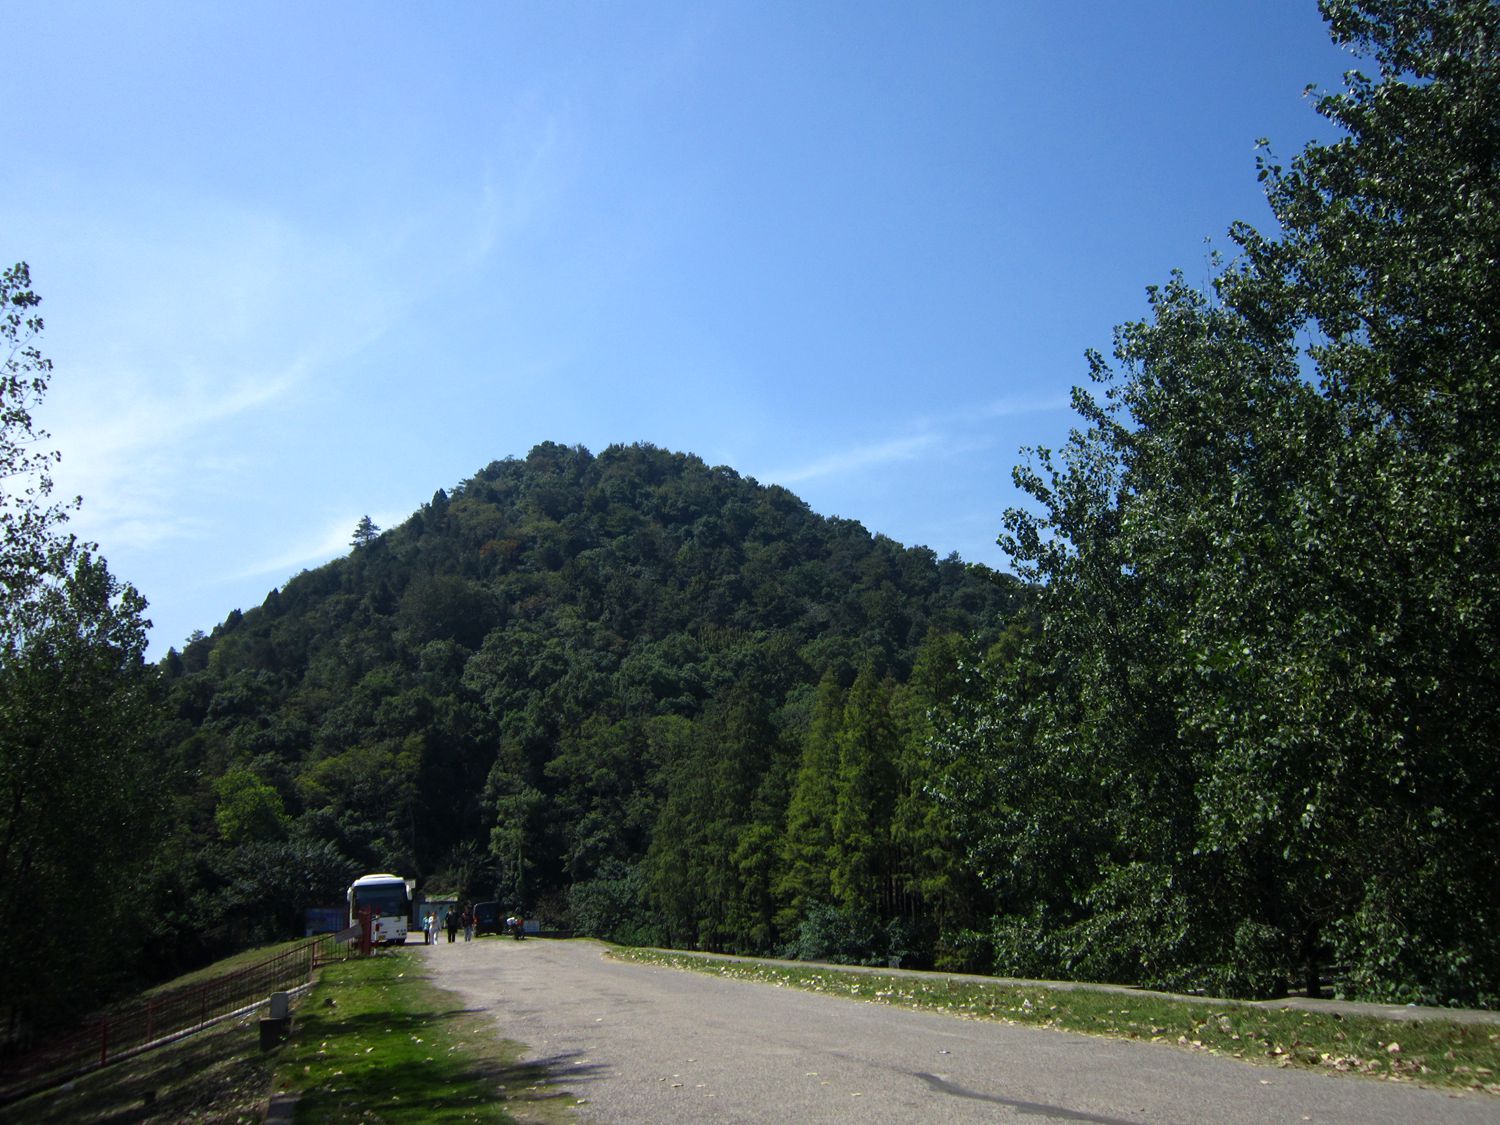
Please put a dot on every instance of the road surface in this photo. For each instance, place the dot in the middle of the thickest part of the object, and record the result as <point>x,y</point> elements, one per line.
<point>655,1046</point>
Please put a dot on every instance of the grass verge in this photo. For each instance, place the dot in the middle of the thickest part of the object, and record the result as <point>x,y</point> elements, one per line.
<point>1436,1052</point>
<point>389,1047</point>
<point>217,1075</point>
<point>375,1040</point>
<point>232,964</point>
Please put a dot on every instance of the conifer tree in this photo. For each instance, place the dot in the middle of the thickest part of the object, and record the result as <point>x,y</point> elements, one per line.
<point>865,794</point>
<point>807,843</point>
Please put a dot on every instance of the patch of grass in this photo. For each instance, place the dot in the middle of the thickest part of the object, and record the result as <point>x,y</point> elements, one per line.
<point>376,1040</point>
<point>242,960</point>
<point>216,1075</point>
<point>391,1047</point>
<point>1433,1052</point>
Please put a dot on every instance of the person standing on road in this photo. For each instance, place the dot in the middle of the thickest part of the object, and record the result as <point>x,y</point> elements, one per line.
<point>452,918</point>
<point>468,924</point>
<point>431,927</point>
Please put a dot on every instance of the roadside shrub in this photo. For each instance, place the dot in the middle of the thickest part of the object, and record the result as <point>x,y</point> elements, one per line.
<point>839,936</point>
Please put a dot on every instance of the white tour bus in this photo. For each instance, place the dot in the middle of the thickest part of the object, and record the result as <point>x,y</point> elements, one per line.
<point>389,898</point>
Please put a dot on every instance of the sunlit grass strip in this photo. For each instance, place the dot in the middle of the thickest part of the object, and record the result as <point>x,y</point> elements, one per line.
<point>375,1040</point>
<point>1432,1052</point>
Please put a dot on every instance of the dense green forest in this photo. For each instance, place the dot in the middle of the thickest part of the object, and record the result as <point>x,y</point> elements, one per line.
<point>1234,726</point>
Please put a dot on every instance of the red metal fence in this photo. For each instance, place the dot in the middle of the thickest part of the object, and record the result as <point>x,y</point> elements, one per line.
<point>168,1015</point>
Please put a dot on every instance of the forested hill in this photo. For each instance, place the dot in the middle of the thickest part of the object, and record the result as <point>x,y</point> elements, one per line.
<point>583,685</point>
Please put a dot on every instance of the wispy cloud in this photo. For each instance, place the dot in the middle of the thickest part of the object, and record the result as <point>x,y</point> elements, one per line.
<point>859,457</point>
<point>319,545</point>
<point>126,455</point>
<point>1013,407</point>
<point>170,336</point>
<point>946,434</point>
<point>519,185</point>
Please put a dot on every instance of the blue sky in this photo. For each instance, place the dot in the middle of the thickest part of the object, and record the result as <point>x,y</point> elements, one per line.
<point>302,263</point>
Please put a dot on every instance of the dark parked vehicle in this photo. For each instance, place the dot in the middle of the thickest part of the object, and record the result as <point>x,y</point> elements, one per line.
<point>487,918</point>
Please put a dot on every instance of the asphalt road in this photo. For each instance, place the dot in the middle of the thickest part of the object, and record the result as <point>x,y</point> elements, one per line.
<point>640,1044</point>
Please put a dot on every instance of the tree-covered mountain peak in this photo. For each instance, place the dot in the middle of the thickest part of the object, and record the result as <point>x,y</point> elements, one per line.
<point>638,541</point>
<point>520,688</point>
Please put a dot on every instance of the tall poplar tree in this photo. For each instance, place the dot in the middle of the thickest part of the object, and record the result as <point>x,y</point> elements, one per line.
<point>1257,732</point>
<point>79,789</point>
